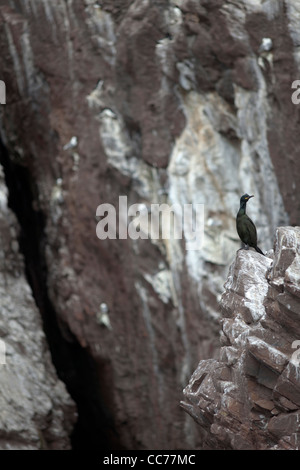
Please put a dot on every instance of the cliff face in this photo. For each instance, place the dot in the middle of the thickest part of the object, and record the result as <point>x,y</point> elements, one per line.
<point>249,398</point>
<point>171,101</point>
<point>36,410</point>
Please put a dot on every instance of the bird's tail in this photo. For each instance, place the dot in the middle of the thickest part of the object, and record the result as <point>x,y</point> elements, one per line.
<point>259,250</point>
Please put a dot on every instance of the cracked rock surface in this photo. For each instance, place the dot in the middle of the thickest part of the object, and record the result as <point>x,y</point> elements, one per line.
<point>36,410</point>
<point>249,398</point>
<point>164,102</point>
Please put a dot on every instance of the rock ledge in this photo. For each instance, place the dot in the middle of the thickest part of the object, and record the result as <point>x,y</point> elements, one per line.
<point>250,397</point>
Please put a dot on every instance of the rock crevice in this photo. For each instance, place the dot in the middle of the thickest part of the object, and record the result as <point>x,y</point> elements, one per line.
<point>91,425</point>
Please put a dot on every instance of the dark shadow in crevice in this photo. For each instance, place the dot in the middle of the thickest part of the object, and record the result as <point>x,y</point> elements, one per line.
<point>94,429</point>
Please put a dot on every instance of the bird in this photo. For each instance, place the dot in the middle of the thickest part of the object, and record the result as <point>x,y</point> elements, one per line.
<point>245,227</point>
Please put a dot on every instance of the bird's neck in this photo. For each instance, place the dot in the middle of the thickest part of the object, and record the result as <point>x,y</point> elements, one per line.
<point>242,210</point>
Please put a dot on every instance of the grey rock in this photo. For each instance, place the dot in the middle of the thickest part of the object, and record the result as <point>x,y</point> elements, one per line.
<point>36,410</point>
<point>170,102</point>
<point>252,392</point>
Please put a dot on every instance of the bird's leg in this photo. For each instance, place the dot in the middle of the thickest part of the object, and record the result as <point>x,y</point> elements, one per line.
<point>246,247</point>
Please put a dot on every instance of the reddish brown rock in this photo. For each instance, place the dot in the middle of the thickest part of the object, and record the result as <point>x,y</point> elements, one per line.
<point>166,101</point>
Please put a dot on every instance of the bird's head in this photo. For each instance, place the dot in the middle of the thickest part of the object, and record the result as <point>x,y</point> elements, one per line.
<point>245,198</point>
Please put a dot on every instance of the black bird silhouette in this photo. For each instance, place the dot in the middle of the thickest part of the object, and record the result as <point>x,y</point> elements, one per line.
<point>245,227</point>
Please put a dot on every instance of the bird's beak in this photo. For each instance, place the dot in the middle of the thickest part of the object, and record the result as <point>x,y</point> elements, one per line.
<point>249,197</point>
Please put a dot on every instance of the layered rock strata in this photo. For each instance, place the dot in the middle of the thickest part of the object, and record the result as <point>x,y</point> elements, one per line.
<point>171,101</point>
<point>249,398</point>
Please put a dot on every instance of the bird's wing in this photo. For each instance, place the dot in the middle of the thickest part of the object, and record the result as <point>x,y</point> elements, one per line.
<point>246,230</point>
<point>251,229</point>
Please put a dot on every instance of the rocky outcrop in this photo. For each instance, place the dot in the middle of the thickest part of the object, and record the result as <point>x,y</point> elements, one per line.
<point>36,410</point>
<point>249,398</point>
<point>176,101</point>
